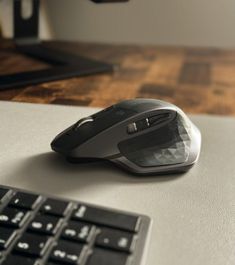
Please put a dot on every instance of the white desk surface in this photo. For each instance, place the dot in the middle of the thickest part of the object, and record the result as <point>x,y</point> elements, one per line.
<point>193,214</point>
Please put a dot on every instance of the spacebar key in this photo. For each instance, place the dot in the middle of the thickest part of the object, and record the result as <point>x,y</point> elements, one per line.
<point>107,218</point>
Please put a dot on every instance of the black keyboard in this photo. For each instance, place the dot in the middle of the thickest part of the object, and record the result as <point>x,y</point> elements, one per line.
<point>39,230</point>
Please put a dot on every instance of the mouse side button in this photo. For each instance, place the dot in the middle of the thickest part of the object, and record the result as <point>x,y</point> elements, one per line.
<point>131,128</point>
<point>137,126</point>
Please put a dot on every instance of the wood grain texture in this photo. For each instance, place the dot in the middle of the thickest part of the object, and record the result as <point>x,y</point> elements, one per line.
<point>199,80</point>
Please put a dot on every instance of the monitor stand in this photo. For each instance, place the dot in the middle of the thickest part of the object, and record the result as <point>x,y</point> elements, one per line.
<point>64,65</point>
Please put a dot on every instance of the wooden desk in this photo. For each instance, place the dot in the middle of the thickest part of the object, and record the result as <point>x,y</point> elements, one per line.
<point>199,80</point>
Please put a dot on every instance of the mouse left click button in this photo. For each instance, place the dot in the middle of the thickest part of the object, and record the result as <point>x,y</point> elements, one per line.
<point>82,122</point>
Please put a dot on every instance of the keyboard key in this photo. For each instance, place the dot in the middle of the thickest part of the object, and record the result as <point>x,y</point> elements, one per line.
<point>106,257</point>
<point>6,237</point>
<point>13,217</point>
<point>115,239</point>
<point>31,245</point>
<point>55,207</point>
<point>65,252</point>
<point>3,193</point>
<point>24,200</point>
<point>78,231</point>
<point>17,260</point>
<point>45,224</point>
<point>106,218</point>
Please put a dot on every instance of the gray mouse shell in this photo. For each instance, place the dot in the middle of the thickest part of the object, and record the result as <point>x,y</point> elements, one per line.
<point>156,137</point>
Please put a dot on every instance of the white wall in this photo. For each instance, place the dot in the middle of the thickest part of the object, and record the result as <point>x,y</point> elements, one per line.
<point>171,22</point>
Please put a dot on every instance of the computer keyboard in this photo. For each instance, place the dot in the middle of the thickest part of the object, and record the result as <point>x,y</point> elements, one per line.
<point>36,229</point>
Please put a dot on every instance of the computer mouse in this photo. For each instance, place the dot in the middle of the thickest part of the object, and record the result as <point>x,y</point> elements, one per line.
<point>143,136</point>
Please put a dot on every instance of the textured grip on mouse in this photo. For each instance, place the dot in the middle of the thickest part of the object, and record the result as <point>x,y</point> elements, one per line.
<point>166,146</point>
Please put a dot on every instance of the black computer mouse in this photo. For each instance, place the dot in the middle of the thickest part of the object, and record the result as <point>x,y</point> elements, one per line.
<point>143,136</point>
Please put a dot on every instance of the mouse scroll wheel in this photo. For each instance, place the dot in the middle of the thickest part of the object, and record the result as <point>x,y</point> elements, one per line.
<point>82,122</point>
<point>158,119</point>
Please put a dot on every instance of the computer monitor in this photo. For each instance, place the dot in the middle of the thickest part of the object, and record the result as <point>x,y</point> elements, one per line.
<point>64,65</point>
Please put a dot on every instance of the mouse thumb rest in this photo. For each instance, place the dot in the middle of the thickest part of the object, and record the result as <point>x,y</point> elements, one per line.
<point>172,148</point>
<point>179,157</point>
